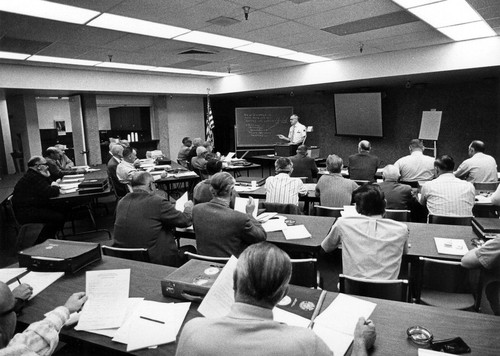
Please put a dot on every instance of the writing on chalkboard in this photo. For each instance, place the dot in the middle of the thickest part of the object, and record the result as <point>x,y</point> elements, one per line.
<point>260,126</point>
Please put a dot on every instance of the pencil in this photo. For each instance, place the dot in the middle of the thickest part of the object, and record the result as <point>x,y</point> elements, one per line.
<point>317,309</point>
<point>156,321</point>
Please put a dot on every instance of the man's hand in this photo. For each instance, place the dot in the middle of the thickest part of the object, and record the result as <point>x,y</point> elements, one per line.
<point>250,207</point>
<point>188,206</point>
<point>364,335</point>
<point>76,301</point>
<point>23,291</point>
<point>54,184</point>
<point>283,137</point>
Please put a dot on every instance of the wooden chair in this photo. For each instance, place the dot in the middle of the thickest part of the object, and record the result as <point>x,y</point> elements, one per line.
<point>449,220</point>
<point>282,208</point>
<point>398,215</point>
<point>444,284</point>
<point>320,210</point>
<point>305,272</point>
<point>396,289</point>
<point>195,256</point>
<point>136,254</point>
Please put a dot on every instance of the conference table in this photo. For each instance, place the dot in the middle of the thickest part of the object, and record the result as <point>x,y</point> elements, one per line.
<point>391,318</point>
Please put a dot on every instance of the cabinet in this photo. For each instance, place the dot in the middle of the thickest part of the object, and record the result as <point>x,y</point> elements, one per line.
<point>130,118</point>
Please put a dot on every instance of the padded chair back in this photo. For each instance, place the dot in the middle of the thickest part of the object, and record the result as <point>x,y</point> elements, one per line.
<point>119,189</point>
<point>361,181</point>
<point>195,256</point>
<point>445,284</point>
<point>413,184</point>
<point>28,234</point>
<point>11,214</point>
<point>449,220</point>
<point>488,292</point>
<point>376,288</point>
<point>398,215</point>
<point>136,254</point>
<point>305,272</point>
<point>492,186</point>
<point>327,211</point>
<point>282,208</point>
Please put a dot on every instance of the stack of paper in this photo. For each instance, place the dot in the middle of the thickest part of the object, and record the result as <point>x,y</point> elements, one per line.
<point>245,188</point>
<point>241,203</point>
<point>38,281</point>
<point>455,247</point>
<point>310,186</point>
<point>7,274</point>
<point>185,174</point>
<point>277,223</point>
<point>296,232</point>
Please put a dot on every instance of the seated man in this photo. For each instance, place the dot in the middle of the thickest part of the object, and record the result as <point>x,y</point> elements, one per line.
<point>480,167</point>
<point>184,151</point>
<point>488,257</point>
<point>199,162</point>
<point>40,338</point>
<point>363,165</point>
<point>447,195</point>
<point>197,142</point>
<point>52,155</point>
<point>202,192</point>
<point>372,247</point>
<point>220,230</point>
<point>397,195</point>
<point>31,199</point>
<point>116,152</point>
<point>65,161</point>
<point>304,166</point>
<point>281,188</point>
<point>332,189</point>
<point>126,168</point>
<point>416,166</point>
<point>260,281</point>
<point>145,219</point>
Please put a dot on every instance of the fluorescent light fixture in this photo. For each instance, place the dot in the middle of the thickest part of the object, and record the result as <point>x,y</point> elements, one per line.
<point>211,39</point>
<point>188,71</point>
<point>446,13</point>
<point>141,27</point>
<point>468,31</point>
<point>48,10</point>
<point>265,50</point>
<point>305,58</point>
<point>214,74</point>
<point>407,4</point>
<point>48,59</point>
<point>12,55</point>
<point>123,66</point>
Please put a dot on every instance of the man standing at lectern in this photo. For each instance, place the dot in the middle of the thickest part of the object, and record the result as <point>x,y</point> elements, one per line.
<point>297,133</point>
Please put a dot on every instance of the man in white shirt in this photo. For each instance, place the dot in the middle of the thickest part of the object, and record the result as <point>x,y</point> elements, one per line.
<point>480,167</point>
<point>281,188</point>
<point>416,166</point>
<point>126,167</point>
<point>447,195</point>
<point>297,132</point>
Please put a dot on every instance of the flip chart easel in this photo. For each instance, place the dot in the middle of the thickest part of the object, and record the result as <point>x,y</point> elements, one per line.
<point>429,128</point>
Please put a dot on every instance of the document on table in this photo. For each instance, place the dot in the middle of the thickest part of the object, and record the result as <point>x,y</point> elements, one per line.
<point>266,216</point>
<point>106,307</point>
<point>220,296</point>
<point>427,352</point>
<point>289,318</point>
<point>245,188</point>
<point>151,324</point>
<point>296,232</point>
<point>482,199</point>
<point>275,224</point>
<point>38,280</point>
<point>310,186</point>
<point>6,274</point>
<point>455,247</point>
<point>241,203</point>
<point>179,204</point>
<point>336,324</point>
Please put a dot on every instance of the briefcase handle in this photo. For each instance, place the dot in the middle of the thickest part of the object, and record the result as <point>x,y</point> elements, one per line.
<point>191,297</point>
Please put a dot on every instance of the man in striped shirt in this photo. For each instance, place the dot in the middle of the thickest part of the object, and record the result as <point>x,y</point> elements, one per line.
<point>447,195</point>
<point>281,188</point>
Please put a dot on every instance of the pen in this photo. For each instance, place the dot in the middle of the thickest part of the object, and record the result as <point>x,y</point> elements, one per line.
<point>156,321</point>
<point>18,281</point>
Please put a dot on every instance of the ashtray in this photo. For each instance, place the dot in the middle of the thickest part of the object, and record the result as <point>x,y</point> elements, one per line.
<point>419,335</point>
<point>290,222</point>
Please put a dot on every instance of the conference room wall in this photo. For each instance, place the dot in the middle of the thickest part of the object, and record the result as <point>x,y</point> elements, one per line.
<point>470,111</point>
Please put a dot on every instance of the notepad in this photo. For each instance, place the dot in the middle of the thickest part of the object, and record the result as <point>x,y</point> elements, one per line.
<point>38,281</point>
<point>179,204</point>
<point>241,203</point>
<point>6,274</point>
<point>455,247</point>
<point>296,232</point>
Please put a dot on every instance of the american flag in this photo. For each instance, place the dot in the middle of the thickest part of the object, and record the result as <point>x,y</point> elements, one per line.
<point>209,123</point>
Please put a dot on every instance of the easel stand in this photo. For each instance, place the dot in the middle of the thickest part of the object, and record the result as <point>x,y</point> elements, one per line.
<point>433,148</point>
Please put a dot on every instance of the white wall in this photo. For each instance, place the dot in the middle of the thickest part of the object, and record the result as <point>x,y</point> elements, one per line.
<point>185,118</point>
<point>50,110</point>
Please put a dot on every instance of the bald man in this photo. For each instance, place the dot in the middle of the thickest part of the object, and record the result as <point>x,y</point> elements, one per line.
<point>363,165</point>
<point>41,337</point>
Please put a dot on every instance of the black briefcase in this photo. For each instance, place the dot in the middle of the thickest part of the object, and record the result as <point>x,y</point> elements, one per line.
<point>486,228</point>
<point>192,280</point>
<point>59,256</point>
<point>97,185</point>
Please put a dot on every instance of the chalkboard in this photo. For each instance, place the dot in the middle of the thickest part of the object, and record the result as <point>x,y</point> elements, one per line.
<point>259,126</point>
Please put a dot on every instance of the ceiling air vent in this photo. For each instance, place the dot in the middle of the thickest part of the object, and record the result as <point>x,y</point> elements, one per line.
<point>197,51</point>
<point>223,21</point>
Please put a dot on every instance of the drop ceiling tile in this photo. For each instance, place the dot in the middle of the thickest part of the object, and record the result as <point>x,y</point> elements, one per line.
<point>290,10</point>
<point>131,43</point>
<point>101,5</point>
<point>32,28</point>
<point>275,31</point>
<point>389,32</point>
<point>490,12</point>
<point>258,4</point>
<point>90,36</point>
<point>64,50</point>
